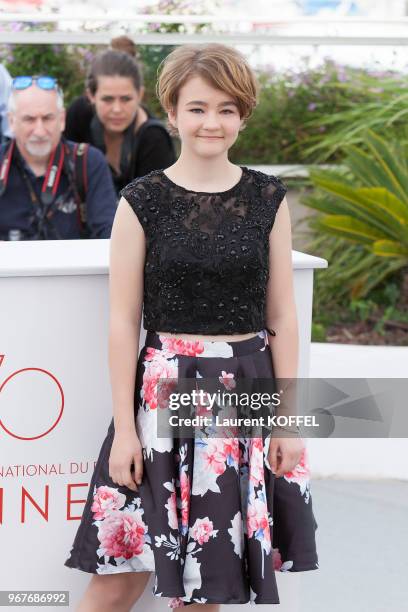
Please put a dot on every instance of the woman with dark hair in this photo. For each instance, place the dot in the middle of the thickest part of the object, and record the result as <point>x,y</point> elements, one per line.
<point>114,120</point>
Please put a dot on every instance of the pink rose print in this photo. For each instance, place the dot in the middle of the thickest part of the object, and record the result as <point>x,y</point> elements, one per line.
<point>256,463</point>
<point>172,511</point>
<point>227,380</point>
<point>151,353</point>
<point>277,559</point>
<point>301,471</point>
<point>202,411</point>
<point>154,353</point>
<point>105,500</point>
<point>257,519</point>
<point>182,347</point>
<point>203,408</point>
<point>122,534</point>
<point>231,450</point>
<point>176,602</point>
<point>214,456</point>
<point>154,370</point>
<point>185,498</point>
<point>203,530</point>
<point>164,390</point>
<point>257,443</point>
<point>226,429</point>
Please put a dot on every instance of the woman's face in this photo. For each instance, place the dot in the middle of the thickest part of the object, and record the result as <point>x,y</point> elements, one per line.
<point>207,119</point>
<point>116,102</point>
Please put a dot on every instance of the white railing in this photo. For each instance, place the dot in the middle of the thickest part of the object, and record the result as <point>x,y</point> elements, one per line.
<point>107,16</point>
<point>233,29</point>
<point>95,38</point>
<point>291,170</point>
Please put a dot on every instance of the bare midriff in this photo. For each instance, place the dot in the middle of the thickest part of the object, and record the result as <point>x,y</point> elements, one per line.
<point>220,338</point>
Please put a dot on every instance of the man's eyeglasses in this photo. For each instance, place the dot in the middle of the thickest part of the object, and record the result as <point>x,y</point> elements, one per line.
<point>43,82</point>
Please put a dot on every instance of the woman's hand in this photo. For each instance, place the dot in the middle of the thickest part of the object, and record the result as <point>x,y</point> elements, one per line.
<point>126,449</point>
<point>284,454</point>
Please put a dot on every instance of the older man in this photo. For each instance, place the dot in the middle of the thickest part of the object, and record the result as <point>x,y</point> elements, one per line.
<point>50,188</point>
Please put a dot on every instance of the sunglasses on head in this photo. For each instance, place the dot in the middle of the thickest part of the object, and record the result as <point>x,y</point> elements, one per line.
<point>43,82</point>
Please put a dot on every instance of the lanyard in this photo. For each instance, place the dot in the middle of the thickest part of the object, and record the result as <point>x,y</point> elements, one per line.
<point>53,175</point>
<point>5,167</point>
<point>51,179</point>
<point>42,213</point>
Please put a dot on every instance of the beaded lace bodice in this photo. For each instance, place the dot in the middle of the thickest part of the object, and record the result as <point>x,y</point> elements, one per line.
<point>206,265</point>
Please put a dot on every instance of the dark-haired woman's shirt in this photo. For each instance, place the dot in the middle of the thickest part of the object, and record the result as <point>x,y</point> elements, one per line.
<point>155,151</point>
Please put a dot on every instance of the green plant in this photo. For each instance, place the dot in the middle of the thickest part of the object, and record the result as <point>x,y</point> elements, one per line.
<point>384,110</point>
<point>301,112</point>
<point>318,332</point>
<point>363,308</point>
<point>61,61</point>
<point>368,207</point>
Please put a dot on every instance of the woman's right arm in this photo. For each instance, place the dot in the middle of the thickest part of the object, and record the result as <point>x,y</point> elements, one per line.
<point>126,273</point>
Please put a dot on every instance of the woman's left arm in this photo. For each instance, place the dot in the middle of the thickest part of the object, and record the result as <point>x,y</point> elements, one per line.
<point>280,299</point>
<point>281,317</point>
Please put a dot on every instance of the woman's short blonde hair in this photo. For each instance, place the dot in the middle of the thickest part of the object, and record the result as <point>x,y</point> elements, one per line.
<point>222,67</point>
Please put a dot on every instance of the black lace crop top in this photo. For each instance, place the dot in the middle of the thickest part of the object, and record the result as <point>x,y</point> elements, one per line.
<point>206,266</point>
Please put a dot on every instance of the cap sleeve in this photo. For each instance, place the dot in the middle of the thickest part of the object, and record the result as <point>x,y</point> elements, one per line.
<point>137,195</point>
<point>273,192</point>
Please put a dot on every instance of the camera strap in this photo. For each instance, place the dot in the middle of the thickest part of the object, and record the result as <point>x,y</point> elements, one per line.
<point>53,175</point>
<point>51,179</point>
<point>80,183</point>
<point>5,167</point>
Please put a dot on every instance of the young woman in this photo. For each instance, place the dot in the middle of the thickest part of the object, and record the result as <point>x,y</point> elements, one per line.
<point>205,247</point>
<point>113,119</point>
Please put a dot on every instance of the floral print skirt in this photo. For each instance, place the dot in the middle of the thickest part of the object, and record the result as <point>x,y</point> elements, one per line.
<point>209,518</point>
